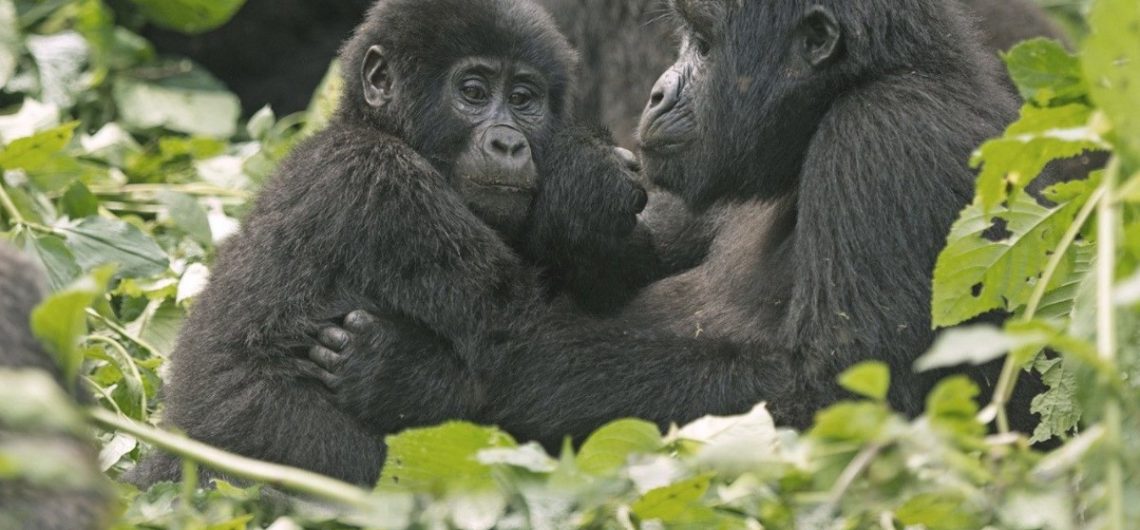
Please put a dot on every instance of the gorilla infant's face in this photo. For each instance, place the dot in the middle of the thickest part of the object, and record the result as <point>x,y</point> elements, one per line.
<point>505,105</point>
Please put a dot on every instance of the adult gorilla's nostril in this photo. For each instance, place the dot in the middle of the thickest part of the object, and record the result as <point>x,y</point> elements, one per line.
<point>666,92</point>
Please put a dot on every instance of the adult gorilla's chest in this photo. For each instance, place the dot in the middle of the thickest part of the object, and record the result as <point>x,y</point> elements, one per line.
<point>740,291</point>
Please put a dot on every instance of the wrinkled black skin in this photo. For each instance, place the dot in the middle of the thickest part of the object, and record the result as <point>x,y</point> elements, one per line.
<point>626,44</point>
<point>825,143</point>
<point>368,214</point>
<point>23,505</point>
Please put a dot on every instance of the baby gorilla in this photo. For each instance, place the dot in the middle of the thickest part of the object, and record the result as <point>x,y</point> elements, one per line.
<point>382,211</point>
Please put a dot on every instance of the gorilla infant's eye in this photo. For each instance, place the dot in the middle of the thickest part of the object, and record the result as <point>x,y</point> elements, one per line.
<point>520,98</point>
<point>474,92</point>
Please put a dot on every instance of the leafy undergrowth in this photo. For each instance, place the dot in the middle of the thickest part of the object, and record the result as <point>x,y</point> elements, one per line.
<point>123,170</point>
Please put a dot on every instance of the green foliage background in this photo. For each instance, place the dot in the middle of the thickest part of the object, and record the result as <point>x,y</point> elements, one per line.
<point>123,170</point>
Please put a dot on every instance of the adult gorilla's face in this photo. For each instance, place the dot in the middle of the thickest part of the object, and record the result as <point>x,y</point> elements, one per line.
<point>735,114</point>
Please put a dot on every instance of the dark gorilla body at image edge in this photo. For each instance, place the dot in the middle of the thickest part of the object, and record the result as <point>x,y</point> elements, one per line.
<point>828,201</point>
<point>378,211</point>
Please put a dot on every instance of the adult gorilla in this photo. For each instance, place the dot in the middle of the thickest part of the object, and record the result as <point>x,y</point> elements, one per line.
<point>828,142</point>
<point>626,44</point>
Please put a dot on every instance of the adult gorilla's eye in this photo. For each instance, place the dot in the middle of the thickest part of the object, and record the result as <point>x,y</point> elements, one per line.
<point>703,47</point>
<point>474,92</point>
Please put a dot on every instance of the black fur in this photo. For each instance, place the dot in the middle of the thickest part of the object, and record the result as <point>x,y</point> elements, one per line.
<point>626,44</point>
<point>825,154</point>
<point>367,214</point>
<point>24,505</point>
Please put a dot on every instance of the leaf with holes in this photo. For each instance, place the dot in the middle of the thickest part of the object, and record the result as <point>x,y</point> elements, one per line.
<point>992,262</point>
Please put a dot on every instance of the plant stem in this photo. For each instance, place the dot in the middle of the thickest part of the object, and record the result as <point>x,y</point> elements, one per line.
<point>126,334</point>
<point>10,207</point>
<point>293,479</point>
<point>127,363</point>
<point>1107,217</point>
<point>1008,380</point>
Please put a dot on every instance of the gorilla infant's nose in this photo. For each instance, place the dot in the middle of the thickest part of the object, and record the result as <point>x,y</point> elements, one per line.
<point>507,144</point>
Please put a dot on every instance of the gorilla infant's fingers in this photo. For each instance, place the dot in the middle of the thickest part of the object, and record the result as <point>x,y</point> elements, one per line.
<point>333,338</point>
<point>325,358</point>
<point>629,159</point>
<point>360,321</point>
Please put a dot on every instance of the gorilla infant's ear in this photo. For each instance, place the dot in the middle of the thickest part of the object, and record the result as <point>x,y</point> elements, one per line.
<point>377,77</point>
<point>820,34</point>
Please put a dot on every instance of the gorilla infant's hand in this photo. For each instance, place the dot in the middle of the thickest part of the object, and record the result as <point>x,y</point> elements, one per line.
<point>390,374</point>
<point>588,196</point>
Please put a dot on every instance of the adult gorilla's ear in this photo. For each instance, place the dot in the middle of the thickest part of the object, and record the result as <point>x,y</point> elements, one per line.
<point>820,36</point>
<point>377,76</point>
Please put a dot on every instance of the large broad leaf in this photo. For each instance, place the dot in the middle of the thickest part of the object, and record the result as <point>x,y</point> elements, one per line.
<point>993,261</point>
<point>610,447</point>
<point>192,102</point>
<point>189,16</point>
<point>53,254</point>
<point>1045,72</point>
<point>187,215</point>
<point>1111,57</point>
<point>41,156</point>
<point>61,320</point>
<point>97,241</point>
<point>442,460</point>
<point>60,60</point>
<point>1041,135</point>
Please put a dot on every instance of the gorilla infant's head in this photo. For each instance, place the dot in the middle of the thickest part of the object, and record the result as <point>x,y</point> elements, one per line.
<point>475,86</point>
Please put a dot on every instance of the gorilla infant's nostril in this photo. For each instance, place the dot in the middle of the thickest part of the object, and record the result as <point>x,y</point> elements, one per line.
<point>506,142</point>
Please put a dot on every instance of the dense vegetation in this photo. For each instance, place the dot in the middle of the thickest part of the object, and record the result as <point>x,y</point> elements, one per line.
<point>123,170</point>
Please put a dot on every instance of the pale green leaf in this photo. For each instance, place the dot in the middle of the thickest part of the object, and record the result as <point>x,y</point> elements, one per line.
<point>193,103</point>
<point>189,16</point>
<point>1111,58</point>
<point>187,215</point>
<point>10,46</point>
<point>442,459</point>
<point>61,320</point>
<point>97,241</point>
<point>1045,72</point>
<point>870,379</point>
<point>610,447</point>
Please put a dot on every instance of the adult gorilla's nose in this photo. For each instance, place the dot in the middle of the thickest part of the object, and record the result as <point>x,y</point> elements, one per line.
<point>665,95</point>
<point>507,146</point>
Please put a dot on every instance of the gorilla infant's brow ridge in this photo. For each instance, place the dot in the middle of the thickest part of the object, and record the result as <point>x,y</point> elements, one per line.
<point>373,212</point>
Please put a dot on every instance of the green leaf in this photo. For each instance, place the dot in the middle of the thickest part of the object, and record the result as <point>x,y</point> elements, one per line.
<point>78,202</point>
<point>261,123</point>
<point>673,502</point>
<point>952,405</point>
<point>159,325</point>
<point>192,102</point>
<point>610,447</point>
<point>975,345</point>
<point>187,215</point>
<point>851,422</point>
<point>189,16</point>
<point>976,274</point>
<point>870,379</point>
<point>1041,135</point>
<point>61,320</point>
<point>56,259</point>
<point>938,511</point>
<point>1111,58</point>
<point>97,241</point>
<point>34,151</point>
<point>1060,413</point>
<point>1045,72</point>
<point>442,459</point>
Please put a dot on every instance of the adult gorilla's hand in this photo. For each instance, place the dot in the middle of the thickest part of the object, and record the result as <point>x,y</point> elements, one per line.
<point>588,196</point>
<point>370,359</point>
